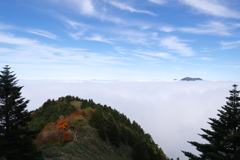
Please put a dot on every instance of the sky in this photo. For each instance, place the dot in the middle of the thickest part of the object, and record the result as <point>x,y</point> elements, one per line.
<point>171,112</point>
<point>121,40</point>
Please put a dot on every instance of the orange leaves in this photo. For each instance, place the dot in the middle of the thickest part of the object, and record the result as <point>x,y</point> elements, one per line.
<point>62,125</point>
<point>66,137</point>
<point>58,131</point>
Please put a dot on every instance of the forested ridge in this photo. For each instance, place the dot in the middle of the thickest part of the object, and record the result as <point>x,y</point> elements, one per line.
<point>79,124</point>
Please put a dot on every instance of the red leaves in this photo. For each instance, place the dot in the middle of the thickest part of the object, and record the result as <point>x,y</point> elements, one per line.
<point>66,137</point>
<point>57,131</point>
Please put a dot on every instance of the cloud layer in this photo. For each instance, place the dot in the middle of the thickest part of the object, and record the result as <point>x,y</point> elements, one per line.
<point>172,112</point>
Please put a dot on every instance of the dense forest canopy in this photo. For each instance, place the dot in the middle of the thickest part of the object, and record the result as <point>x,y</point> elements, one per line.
<point>60,121</point>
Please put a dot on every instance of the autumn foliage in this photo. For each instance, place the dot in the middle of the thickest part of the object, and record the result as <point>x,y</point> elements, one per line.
<point>66,137</point>
<point>62,125</point>
<point>58,131</point>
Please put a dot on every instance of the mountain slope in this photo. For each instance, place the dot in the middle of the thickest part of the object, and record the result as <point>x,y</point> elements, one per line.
<point>74,128</point>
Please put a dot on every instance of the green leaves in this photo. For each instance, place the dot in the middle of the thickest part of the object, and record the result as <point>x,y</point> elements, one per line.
<point>224,138</point>
<point>77,122</point>
<point>15,138</point>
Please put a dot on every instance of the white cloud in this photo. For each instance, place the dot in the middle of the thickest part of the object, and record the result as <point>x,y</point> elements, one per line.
<point>179,109</point>
<point>77,35</point>
<point>5,26</point>
<point>206,58</point>
<point>156,54</point>
<point>214,28</point>
<point>98,37</point>
<point>87,7</point>
<point>145,57</point>
<point>42,33</point>
<point>83,6</point>
<point>74,24</point>
<point>11,39</point>
<point>123,6</point>
<point>27,50</point>
<point>162,55</point>
<point>145,27</point>
<point>230,45</point>
<point>166,29</point>
<point>131,36</point>
<point>213,7</point>
<point>158,1</point>
<point>235,66</point>
<point>209,28</point>
<point>175,45</point>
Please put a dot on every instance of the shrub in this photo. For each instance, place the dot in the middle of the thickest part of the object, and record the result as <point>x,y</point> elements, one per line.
<point>66,137</point>
<point>77,122</point>
<point>62,125</point>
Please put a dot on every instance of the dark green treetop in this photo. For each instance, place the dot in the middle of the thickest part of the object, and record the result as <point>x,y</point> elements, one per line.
<point>15,138</point>
<point>224,138</point>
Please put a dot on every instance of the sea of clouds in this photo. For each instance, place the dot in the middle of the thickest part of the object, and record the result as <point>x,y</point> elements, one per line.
<point>172,112</point>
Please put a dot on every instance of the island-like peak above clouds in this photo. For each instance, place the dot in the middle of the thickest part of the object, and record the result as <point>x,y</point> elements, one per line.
<point>191,79</point>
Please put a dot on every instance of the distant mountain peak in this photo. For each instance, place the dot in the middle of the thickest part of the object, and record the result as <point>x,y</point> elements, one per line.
<point>191,79</point>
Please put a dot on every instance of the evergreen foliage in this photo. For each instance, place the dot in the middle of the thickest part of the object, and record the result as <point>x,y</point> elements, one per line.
<point>15,138</point>
<point>140,152</point>
<point>51,111</point>
<point>112,126</point>
<point>112,131</point>
<point>102,134</point>
<point>97,120</point>
<point>224,138</point>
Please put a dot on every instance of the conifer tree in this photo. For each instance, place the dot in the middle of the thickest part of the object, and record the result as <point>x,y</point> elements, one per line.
<point>224,138</point>
<point>15,138</point>
<point>112,131</point>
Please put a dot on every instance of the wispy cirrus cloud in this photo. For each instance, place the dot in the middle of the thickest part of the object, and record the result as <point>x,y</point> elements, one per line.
<point>145,57</point>
<point>27,50</point>
<point>42,33</point>
<point>124,6</point>
<point>5,26</point>
<point>39,32</point>
<point>209,28</point>
<point>98,37</point>
<point>205,58</point>
<point>88,8</point>
<point>77,35</point>
<point>156,54</point>
<point>230,45</point>
<point>176,45</point>
<point>145,27</point>
<point>84,6</point>
<point>160,2</point>
<point>74,24</point>
<point>212,28</point>
<point>214,8</point>
<point>11,39</point>
<point>166,29</point>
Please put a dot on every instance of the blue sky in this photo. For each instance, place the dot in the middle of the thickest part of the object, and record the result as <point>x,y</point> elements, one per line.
<point>127,40</point>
